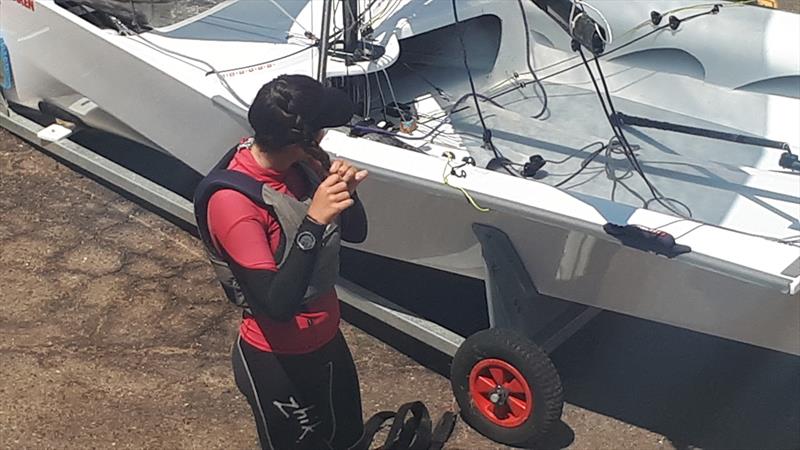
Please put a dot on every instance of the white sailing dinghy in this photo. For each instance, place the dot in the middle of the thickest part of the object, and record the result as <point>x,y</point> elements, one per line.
<point>638,157</point>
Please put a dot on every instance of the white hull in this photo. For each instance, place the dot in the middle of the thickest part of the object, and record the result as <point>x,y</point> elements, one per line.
<point>732,284</point>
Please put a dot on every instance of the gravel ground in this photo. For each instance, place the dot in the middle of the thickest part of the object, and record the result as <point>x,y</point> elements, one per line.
<point>113,334</point>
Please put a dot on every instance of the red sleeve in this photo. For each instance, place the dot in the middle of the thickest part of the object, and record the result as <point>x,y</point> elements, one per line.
<point>237,225</point>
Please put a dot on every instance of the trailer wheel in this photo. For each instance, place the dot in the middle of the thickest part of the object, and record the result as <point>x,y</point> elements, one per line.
<point>506,386</point>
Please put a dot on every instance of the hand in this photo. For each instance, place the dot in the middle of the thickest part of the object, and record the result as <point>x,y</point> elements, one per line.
<point>330,199</point>
<point>349,174</point>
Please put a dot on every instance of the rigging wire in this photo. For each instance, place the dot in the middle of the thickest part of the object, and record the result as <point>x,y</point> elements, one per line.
<point>607,53</point>
<point>530,64</point>
<point>394,97</point>
<point>262,63</point>
<point>734,4</point>
<point>367,88</point>
<point>383,98</point>
<point>584,163</point>
<point>487,133</point>
<point>576,153</point>
<point>182,58</point>
<point>433,130</point>
<point>630,155</point>
<point>657,195</point>
<point>290,17</point>
<point>422,77</point>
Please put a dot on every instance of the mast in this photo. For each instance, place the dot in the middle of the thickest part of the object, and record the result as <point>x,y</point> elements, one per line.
<point>322,66</point>
<point>350,9</point>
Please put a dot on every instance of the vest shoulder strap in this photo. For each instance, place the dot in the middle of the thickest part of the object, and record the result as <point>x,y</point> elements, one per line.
<point>218,180</point>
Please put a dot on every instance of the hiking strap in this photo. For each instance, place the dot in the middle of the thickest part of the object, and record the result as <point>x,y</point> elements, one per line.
<point>408,433</point>
<point>444,428</point>
<point>412,433</point>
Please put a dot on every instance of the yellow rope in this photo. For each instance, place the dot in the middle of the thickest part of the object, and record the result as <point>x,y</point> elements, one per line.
<point>448,170</point>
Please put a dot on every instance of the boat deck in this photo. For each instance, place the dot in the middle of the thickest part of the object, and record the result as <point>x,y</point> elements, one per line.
<point>731,185</point>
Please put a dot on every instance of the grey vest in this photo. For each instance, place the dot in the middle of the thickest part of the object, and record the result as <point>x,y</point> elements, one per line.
<point>289,213</point>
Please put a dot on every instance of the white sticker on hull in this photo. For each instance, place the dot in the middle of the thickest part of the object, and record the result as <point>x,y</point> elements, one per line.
<point>83,106</point>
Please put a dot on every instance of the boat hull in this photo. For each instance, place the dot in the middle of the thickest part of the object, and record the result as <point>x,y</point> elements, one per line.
<point>426,222</point>
<point>415,216</point>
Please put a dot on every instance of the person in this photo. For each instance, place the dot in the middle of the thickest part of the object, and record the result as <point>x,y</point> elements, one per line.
<point>281,245</point>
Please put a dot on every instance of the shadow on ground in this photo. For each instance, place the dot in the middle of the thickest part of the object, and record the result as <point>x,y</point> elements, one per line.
<point>696,390</point>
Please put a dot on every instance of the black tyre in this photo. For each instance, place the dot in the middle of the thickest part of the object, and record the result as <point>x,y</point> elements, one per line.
<point>506,386</point>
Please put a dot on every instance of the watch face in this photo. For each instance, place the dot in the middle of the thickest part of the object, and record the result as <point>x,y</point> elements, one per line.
<point>306,240</point>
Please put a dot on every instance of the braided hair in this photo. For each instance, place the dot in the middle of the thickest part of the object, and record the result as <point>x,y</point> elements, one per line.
<point>289,111</point>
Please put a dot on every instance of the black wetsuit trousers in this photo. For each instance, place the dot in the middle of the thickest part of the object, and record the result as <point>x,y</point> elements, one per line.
<point>301,402</point>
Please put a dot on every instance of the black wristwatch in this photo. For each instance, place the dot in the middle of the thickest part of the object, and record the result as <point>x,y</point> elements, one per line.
<point>306,240</point>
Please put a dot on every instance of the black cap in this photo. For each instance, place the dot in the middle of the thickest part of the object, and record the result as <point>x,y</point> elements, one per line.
<point>335,108</point>
<point>290,107</point>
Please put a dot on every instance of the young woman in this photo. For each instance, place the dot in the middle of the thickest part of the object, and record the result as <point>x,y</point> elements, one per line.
<point>290,360</point>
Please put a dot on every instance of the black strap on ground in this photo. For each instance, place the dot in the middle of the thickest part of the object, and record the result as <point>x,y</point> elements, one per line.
<point>624,119</point>
<point>410,433</point>
<point>371,428</point>
<point>444,428</point>
<point>411,429</point>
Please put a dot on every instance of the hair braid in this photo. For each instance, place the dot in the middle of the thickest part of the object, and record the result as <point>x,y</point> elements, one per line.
<point>290,110</point>
<point>301,129</point>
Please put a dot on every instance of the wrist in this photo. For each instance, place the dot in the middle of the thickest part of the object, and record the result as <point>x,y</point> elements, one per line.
<point>312,225</point>
<point>313,220</point>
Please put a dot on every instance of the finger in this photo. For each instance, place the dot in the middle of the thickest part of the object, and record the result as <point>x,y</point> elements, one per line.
<point>344,167</point>
<point>331,180</point>
<point>341,206</point>
<point>338,187</point>
<point>339,197</point>
<point>349,175</point>
<point>335,166</point>
<point>361,175</point>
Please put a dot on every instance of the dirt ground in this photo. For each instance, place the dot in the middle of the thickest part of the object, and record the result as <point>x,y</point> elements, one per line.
<point>113,334</point>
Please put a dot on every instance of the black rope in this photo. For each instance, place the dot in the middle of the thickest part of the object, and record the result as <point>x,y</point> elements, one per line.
<point>487,134</point>
<point>444,120</point>
<point>584,164</point>
<point>624,119</point>
<point>530,65</point>
<point>630,155</point>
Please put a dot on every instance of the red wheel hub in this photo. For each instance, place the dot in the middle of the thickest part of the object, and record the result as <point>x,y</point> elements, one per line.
<point>500,393</point>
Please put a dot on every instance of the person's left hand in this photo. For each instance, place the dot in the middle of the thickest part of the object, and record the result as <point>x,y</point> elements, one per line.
<point>349,174</point>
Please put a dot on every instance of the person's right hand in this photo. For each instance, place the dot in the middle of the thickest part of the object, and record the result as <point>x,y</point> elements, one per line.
<point>330,199</point>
